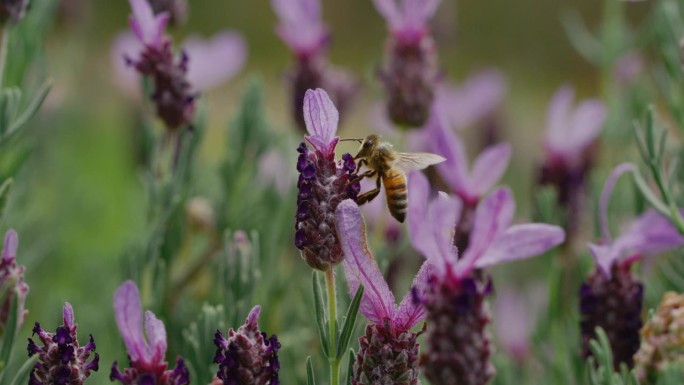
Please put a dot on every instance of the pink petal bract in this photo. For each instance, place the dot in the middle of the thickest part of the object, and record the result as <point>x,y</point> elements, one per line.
<point>359,265</point>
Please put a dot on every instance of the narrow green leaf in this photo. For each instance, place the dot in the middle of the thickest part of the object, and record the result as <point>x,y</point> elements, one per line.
<point>649,196</point>
<point>23,373</point>
<point>4,195</point>
<point>320,316</point>
<point>350,367</point>
<point>349,322</point>
<point>10,331</point>
<point>310,380</point>
<point>30,110</point>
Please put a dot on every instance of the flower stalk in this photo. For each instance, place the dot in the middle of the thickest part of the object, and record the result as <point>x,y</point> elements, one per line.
<point>334,360</point>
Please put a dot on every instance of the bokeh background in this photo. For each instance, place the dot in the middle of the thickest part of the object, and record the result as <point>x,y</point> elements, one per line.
<point>79,203</point>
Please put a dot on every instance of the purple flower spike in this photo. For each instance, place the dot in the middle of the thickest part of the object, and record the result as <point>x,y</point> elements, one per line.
<point>388,350</point>
<point>323,184</point>
<point>227,48</point>
<point>612,295</point>
<point>493,239</point>
<point>410,69</point>
<point>146,355</point>
<point>61,360</point>
<point>173,95</point>
<point>569,133</point>
<point>301,26</point>
<point>458,345</point>
<point>12,281</point>
<point>570,143</point>
<point>302,29</point>
<point>487,169</point>
<point>247,355</point>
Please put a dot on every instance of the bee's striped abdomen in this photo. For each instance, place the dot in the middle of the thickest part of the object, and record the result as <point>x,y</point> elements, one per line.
<point>397,194</point>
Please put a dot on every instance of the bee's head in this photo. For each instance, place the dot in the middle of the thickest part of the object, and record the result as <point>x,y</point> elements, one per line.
<point>367,146</point>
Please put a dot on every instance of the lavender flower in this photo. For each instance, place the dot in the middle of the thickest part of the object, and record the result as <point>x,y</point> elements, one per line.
<point>458,348</point>
<point>146,355</point>
<point>61,359</point>
<point>247,356</point>
<point>302,29</point>
<point>410,69</point>
<point>13,11</point>
<point>227,47</point>
<point>389,349</point>
<point>177,9</point>
<point>611,297</point>
<point>12,282</point>
<point>474,102</point>
<point>569,143</point>
<point>515,315</point>
<point>323,184</point>
<point>172,95</point>
<point>471,186</point>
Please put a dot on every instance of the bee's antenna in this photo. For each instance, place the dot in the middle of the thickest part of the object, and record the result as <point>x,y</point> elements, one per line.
<point>352,140</point>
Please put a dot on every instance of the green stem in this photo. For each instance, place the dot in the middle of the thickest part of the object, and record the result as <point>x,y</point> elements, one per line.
<point>4,43</point>
<point>332,323</point>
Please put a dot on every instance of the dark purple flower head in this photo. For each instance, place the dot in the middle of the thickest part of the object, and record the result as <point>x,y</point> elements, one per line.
<point>146,354</point>
<point>247,356</point>
<point>323,183</point>
<point>173,95</point>
<point>457,344</point>
<point>13,11</point>
<point>388,350</point>
<point>61,360</point>
<point>12,281</point>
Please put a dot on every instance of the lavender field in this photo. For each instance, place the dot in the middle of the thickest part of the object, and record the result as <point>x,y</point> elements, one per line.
<point>370,192</point>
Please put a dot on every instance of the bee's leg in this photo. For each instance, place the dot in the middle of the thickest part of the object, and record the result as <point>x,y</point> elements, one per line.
<point>369,195</point>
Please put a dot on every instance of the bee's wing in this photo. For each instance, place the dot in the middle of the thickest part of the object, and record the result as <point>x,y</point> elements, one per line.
<point>410,161</point>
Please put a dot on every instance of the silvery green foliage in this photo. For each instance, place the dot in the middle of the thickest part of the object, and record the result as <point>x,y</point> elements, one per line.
<point>600,365</point>
<point>198,337</point>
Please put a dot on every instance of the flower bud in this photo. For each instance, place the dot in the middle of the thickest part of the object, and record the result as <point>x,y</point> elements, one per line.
<point>661,339</point>
<point>200,214</point>
<point>12,281</point>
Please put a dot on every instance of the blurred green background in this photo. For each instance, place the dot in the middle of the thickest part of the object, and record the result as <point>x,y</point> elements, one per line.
<point>79,203</point>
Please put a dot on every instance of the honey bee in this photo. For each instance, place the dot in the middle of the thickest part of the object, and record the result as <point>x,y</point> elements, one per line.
<point>390,166</point>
